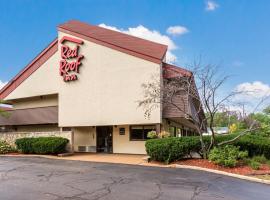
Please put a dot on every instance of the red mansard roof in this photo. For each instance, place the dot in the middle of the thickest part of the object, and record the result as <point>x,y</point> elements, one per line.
<point>135,46</point>
<point>31,116</point>
<point>171,71</point>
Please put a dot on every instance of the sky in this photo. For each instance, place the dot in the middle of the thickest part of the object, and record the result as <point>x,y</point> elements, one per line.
<point>232,34</point>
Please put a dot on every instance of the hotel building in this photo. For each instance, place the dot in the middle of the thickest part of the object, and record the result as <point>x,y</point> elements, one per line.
<point>87,84</point>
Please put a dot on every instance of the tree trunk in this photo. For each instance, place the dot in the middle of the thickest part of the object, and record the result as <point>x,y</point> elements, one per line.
<point>204,151</point>
<point>213,138</point>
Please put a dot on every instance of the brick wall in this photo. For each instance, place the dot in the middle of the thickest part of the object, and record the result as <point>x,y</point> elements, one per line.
<point>10,137</point>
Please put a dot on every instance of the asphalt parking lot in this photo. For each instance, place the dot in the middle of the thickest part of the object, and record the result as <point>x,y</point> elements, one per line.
<point>43,179</point>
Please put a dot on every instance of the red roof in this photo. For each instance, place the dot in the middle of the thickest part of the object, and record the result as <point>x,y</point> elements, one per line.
<point>122,42</point>
<point>171,71</point>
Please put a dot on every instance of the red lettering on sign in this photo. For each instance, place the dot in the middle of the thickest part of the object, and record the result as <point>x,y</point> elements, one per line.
<point>68,68</point>
<point>67,53</point>
<point>71,77</point>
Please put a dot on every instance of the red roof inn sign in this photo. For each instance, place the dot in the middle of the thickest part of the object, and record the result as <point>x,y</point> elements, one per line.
<point>71,60</point>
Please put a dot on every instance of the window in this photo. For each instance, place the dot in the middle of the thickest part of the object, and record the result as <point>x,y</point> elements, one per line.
<point>66,129</point>
<point>178,132</point>
<point>140,132</point>
<point>2,129</point>
<point>184,132</point>
<point>172,131</point>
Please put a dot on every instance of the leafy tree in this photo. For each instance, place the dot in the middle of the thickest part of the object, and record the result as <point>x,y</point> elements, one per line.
<point>262,121</point>
<point>224,119</point>
<point>233,128</point>
<point>267,110</point>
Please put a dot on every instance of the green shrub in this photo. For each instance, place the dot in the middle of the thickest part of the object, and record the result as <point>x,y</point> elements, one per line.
<point>256,145</point>
<point>254,164</point>
<point>171,149</point>
<point>25,145</point>
<point>5,147</point>
<point>42,145</point>
<point>152,134</point>
<point>227,156</point>
<point>260,159</point>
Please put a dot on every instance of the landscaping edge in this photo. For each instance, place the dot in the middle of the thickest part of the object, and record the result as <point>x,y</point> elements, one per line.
<point>248,178</point>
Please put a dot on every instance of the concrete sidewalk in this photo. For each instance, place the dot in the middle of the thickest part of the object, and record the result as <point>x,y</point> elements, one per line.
<point>129,159</point>
<point>106,158</point>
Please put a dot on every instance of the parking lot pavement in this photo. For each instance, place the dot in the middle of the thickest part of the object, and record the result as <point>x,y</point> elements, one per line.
<point>33,178</point>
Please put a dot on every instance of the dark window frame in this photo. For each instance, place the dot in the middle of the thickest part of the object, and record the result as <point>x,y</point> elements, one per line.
<point>66,129</point>
<point>144,139</point>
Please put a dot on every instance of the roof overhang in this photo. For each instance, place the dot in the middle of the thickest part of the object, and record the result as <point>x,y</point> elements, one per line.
<point>30,116</point>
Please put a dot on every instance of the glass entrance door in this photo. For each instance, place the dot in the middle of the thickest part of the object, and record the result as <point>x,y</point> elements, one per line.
<point>104,139</point>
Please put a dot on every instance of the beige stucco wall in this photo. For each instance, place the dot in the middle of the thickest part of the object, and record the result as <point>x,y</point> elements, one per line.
<point>122,144</point>
<point>106,93</point>
<point>34,102</point>
<point>84,136</point>
<point>107,90</point>
<point>43,81</point>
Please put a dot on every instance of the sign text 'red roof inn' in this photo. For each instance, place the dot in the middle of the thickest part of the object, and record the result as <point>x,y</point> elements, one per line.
<point>71,59</point>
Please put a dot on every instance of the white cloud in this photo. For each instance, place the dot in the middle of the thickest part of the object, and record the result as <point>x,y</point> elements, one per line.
<point>254,90</point>
<point>177,30</point>
<point>250,96</point>
<point>211,5</point>
<point>2,84</point>
<point>152,35</point>
<point>170,57</point>
<point>109,27</point>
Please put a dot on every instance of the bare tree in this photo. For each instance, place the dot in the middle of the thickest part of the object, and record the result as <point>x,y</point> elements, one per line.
<point>205,96</point>
<point>210,81</point>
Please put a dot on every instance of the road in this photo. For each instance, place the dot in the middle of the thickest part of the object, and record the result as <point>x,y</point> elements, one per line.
<point>33,178</point>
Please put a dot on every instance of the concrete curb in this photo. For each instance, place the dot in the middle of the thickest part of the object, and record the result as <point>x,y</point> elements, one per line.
<point>31,155</point>
<point>248,178</point>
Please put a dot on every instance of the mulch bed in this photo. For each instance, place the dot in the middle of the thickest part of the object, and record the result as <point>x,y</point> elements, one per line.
<point>241,169</point>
